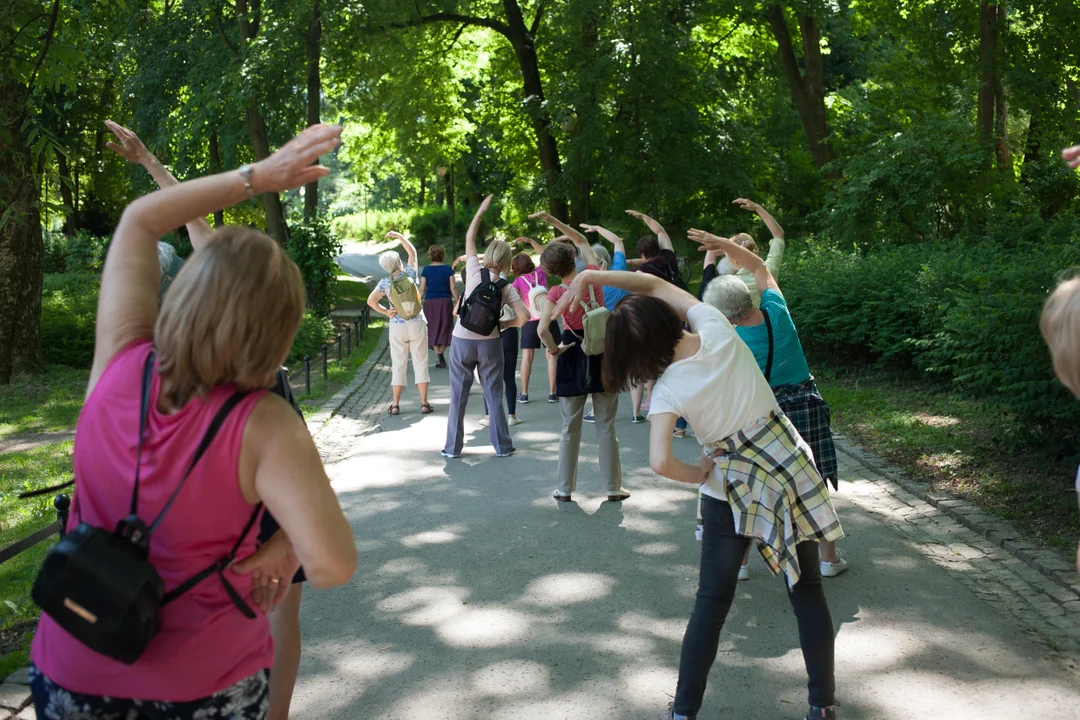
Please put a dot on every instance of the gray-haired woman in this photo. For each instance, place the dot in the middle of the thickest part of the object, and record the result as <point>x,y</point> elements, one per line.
<point>771,335</point>
<point>408,335</point>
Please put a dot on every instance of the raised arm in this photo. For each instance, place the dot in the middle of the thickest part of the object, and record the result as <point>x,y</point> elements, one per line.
<point>474,227</point>
<point>739,255</point>
<point>127,303</point>
<point>658,229</point>
<point>770,221</point>
<point>643,283</point>
<point>409,248</point>
<point>611,237</point>
<point>132,149</point>
<point>537,247</point>
<point>579,240</point>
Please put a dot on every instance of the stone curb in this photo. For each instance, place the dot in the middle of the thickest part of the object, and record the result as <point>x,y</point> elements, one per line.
<point>15,699</point>
<point>997,531</point>
<point>317,421</point>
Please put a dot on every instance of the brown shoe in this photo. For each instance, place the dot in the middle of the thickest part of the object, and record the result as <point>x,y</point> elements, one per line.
<point>619,496</point>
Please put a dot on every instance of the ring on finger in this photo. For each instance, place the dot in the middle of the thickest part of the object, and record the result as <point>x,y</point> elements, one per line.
<point>275,580</point>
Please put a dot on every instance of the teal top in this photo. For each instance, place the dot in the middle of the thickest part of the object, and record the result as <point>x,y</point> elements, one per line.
<point>789,363</point>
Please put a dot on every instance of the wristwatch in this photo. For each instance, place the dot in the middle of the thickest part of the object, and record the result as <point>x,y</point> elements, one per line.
<point>245,172</point>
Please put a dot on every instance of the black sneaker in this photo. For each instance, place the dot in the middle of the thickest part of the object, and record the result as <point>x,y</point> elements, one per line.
<point>552,398</point>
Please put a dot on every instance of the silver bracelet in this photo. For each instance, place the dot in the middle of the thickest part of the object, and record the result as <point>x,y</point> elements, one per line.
<point>246,172</point>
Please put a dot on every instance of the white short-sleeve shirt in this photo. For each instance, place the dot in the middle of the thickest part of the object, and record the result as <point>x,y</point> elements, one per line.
<point>719,390</point>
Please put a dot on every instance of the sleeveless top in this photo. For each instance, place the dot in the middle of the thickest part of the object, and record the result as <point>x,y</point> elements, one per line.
<point>205,644</point>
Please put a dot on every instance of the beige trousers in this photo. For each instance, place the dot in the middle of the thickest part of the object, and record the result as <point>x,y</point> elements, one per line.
<point>605,406</point>
<point>408,338</point>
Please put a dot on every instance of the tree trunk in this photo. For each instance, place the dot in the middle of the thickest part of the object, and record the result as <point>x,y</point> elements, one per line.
<point>275,213</point>
<point>580,151</point>
<point>988,37</point>
<point>423,190</point>
<point>1001,109</point>
<point>536,106</point>
<point>808,86</point>
<point>21,249</point>
<point>314,96</point>
<point>215,167</point>
<point>65,182</point>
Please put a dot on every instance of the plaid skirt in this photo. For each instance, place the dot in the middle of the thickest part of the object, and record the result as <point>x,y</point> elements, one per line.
<point>810,415</point>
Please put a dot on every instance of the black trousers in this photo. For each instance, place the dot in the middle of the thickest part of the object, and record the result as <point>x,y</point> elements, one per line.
<point>509,339</point>
<point>721,555</point>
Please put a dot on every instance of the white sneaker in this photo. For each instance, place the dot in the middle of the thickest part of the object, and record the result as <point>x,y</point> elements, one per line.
<point>512,421</point>
<point>832,569</point>
<point>744,572</point>
<point>484,421</point>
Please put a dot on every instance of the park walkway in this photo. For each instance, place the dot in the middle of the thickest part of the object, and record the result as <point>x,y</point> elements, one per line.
<point>477,596</point>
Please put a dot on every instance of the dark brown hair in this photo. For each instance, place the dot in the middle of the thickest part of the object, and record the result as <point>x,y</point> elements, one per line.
<point>436,253</point>
<point>559,259</point>
<point>523,264</point>
<point>642,333</point>
<point>648,247</point>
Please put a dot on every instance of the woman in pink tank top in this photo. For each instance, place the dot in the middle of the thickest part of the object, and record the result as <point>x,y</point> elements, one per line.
<point>225,326</point>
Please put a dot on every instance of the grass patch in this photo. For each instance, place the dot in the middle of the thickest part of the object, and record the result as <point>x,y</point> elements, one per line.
<point>338,374</point>
<point>957,445</point>
<point>21,471</point>
<point>351,294</point>
<point>43,403</point>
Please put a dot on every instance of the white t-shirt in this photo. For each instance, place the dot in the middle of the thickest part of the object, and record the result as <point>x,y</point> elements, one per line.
<point>719,390</point>
<point>474,277</point>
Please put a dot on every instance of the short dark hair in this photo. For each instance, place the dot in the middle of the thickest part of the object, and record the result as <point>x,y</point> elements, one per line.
<point>559,259</point>
<point>648,247</point>
<point>436,253</point>
<point>522,264</point>
<point>642,333</point>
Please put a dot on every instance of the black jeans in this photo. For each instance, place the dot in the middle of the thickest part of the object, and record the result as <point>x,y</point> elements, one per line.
<point>510,356</point>
<point>721,554</point>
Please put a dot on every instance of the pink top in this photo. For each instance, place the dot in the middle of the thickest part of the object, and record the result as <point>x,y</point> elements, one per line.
<point>205,644</point>
<point>524,283</point>
<point>574,316</point>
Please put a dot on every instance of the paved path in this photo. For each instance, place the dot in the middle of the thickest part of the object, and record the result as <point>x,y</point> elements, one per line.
<point>479,597</point>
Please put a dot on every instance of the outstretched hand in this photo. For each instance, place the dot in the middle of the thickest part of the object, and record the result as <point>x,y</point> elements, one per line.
<point>1071,156</point>
<point>130,147</point>
<point>707,240</point>
<point>747,204</point>
<point>293,165</point>
<point>272,568</point>
<point>395,235</point>
<point>653,225</point>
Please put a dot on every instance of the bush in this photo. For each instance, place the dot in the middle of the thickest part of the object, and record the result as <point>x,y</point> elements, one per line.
<point>313,246</point>
<point>85,252</point>
<point>68,312</point>
<point>314,331</point>
<point>965,312</point>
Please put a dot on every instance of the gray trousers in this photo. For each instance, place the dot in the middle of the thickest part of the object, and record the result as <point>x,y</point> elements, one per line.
<point>486,358</point>
<point>605,407</point>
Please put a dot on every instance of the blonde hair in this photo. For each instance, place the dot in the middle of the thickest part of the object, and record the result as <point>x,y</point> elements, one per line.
<point>229,317</point>
<point>390,261</point>
<point>498,256</point>
<point>1060,326</point>
<point>746,241</point>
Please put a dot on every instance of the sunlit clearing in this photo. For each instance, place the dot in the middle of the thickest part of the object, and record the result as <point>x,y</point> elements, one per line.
<point>537,436</point>
<point>403,566</point>
<point>484,627</point>
<point>511,677</point>
<point>445,534</point>
<point>896,562</point>
<point>936,420</point>
<point>568,589</point>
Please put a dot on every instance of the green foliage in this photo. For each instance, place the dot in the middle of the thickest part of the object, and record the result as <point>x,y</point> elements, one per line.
<point>68,312</point>
<point>85,253</point>
<point>313,246</point>
<point>965,311</point>
<point>313,332</point>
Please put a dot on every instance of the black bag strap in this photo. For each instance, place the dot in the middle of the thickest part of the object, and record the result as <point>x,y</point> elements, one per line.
<point>219,568</point>
<point>144,412</point>
<point>208,437</point>
<point>768,328</point>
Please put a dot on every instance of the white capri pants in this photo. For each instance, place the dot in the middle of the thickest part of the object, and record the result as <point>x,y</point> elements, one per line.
<point>409,338</point>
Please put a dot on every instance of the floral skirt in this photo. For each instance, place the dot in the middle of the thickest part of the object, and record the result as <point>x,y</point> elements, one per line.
<point>248,699</point>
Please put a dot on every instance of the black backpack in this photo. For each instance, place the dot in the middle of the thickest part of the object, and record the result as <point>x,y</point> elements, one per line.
<point>480,312</point>
<point>100,586</point>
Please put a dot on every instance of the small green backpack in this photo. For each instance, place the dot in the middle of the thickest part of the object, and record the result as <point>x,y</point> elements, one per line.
<point>404,297</point>
<point>594,325</point>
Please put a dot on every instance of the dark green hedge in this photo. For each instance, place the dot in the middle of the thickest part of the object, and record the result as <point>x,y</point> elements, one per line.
<point>68,310</point>
<point>967,312</point>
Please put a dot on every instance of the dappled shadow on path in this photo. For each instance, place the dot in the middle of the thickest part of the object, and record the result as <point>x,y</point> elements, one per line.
<point>479,596</point>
